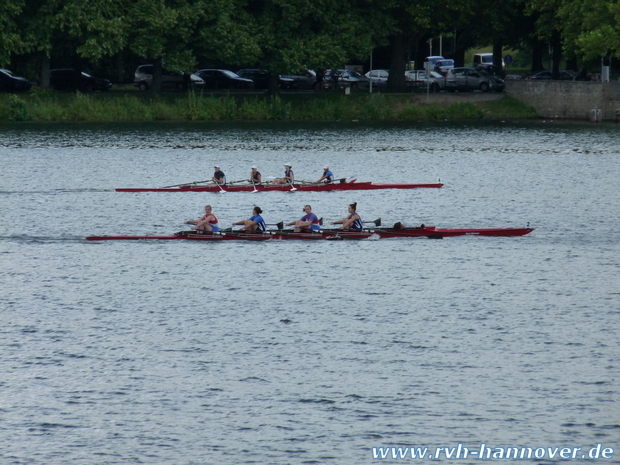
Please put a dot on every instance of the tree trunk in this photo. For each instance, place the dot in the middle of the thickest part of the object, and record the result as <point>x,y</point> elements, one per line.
<point>44,74</point>
<point>556,54</point>
<point>396,79</point>
<point>120,72</point>
<point>537,56</point>
<point>273,84</point>
<point>156,83</point>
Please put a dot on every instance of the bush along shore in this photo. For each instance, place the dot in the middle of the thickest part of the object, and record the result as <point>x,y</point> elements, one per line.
<point>48,106</point>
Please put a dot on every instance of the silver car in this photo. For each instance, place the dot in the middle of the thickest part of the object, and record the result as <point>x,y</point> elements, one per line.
<point>434,82</point>
<point>143,79</point>
<point>469,79</point>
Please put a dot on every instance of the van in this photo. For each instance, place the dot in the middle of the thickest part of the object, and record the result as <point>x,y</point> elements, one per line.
<point>430,62</point>
<point>484,60</point>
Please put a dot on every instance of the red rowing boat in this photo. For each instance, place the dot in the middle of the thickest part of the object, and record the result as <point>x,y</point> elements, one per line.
<point>301,186</point>
<point>430,232</point>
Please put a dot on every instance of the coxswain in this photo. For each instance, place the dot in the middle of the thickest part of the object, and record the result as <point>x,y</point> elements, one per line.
<point>328,176</point>
<point>207,223</point>
<point>255,223</point>
<point>219,177</point>
<point>289,176</point>
<point>352,222</point>
<point>255,177</point>
<point>309,222</point>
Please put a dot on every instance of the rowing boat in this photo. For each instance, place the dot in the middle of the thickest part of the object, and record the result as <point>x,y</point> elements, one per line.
<point>430,232</point>
<point>298,186</point>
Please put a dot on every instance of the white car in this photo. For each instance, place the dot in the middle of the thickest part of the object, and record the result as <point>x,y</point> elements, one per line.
<point>378,77</point>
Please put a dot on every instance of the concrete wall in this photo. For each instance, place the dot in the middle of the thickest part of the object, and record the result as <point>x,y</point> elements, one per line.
<point>594,101</point>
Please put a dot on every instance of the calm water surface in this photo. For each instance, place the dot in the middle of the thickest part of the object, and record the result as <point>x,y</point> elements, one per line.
<point>291,353</point>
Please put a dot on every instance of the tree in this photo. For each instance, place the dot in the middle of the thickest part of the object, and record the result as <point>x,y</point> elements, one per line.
<point>10,40</point>
<point>293,35</point>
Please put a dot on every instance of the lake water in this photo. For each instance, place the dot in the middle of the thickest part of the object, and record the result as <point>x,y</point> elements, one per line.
<point>297,353</point>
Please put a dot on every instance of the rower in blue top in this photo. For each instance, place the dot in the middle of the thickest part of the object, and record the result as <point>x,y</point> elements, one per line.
<point>309,222</point>
<point>352,222</point>
<point>255,223</point>
<point>327,177</point>
<point>289,176</point>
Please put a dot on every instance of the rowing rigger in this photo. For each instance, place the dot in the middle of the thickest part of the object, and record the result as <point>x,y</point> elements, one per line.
<point>430,232</point>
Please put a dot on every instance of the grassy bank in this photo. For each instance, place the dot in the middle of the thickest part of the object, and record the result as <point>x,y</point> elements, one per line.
<point>48,106</point>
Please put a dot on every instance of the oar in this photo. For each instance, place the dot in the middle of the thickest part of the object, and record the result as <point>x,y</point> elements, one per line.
<point>293,188</point>
<point>279,225</point>
<point>186,184</point>
<point>218,185</point>
<point>377,222</point>
<point>254,185</point>
<point>240,180</point>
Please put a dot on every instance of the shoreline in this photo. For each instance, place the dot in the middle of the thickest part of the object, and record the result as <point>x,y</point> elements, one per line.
<point>123,106</point>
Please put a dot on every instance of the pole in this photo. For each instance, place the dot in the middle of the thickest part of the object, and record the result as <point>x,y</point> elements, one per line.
<point>370,74</point>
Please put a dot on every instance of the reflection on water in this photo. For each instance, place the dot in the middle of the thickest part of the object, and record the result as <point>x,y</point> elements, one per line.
<point>280,352</point>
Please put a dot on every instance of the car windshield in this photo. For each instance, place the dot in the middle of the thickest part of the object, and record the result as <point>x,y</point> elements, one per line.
<point>355,74</point>
<point>86,74</point>
<point>230,74</point>
<point>6,71</point>
<point>483,72</point>
<point>435,74</point>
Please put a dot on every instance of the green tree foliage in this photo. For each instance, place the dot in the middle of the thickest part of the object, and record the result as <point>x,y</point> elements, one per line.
<point>591,27</point>
<point>10,41</point>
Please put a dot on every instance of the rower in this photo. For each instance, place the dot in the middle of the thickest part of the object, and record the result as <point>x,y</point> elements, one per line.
<point>207,223</point>
<point>328,176</point>
<point>255,223</point>
<point>218,176</point>
<point>255,177</point>
<point>353,221</point>
<point>308,223</point>
<point>289,176</point>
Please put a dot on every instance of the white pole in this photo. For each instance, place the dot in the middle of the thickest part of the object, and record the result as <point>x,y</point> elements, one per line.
<point>370,74</point>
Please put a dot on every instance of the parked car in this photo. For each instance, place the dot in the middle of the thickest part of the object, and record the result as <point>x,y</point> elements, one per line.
<point>379,77</point>
<point>466,79</point>
<point>143,79</point>
<point>346,78</point>
<point>443,66</point>
<point>11,83</point>
<point>548,75</point>
<point>430,62</point>
<point>72,80</point>
<point>260,77</point>
<point>305,79</point>
<point>432,81</point>
<point>223,79</point>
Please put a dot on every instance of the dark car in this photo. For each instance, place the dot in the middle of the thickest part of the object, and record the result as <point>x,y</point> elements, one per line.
<point>548,75</point>
<point>11,83</point>
<point>223,79</point>
<point>72,80</point>
<point>305,79</point>
<point>469,79</point>
<point>260,77</point>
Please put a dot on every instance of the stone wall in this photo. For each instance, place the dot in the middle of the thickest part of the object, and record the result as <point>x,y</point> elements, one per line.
<point>594,101</point>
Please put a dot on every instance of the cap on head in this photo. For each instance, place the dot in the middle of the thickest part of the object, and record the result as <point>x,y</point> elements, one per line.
<point>326,167</point>
<point>217,166</point>
<point>288,164</point>
<point>253,167</point>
